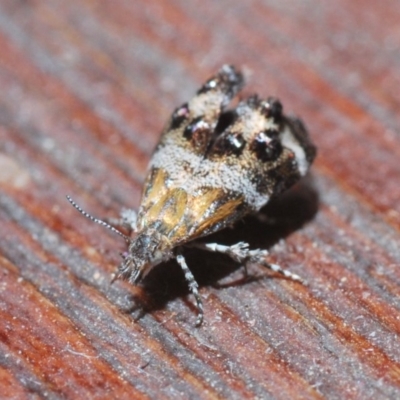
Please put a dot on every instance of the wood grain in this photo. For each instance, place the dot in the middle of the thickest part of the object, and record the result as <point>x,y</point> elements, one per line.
<point>85,90</point>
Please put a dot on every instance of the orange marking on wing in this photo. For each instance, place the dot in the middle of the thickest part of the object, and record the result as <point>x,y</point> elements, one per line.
<point>155,187</point>
<point>221,213</point>
<point>201,216</point>
<point>182,217</point>
<point>201,203</point>
<point>168,212</point>
<point>175,209</point>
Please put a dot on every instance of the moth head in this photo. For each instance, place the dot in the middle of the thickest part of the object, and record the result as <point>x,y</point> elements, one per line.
<point>148,249</point>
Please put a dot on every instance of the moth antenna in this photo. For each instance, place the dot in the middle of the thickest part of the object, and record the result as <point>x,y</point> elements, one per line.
<point>98,221</point>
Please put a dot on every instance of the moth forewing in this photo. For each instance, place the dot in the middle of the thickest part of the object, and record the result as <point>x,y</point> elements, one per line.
<point>211,167</point>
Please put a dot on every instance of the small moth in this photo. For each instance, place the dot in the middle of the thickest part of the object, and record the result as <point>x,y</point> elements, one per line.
<point>211,167</point>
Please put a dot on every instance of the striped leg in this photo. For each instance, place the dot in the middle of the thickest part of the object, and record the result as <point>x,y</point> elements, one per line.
<point>241,253</point>
<point>193,286</point>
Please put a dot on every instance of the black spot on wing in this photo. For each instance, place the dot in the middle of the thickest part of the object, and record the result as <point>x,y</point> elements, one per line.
<point>266,146</point>
<point>180,115</point>
<point>229,143</point>
<point>272,108</point>
<point>226,119</point>
<point>198,132</point>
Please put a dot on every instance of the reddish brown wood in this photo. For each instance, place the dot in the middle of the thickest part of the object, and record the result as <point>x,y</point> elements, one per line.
<point>85,90</point>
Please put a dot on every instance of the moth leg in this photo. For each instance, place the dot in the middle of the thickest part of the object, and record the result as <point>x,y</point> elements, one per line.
<point>193,286</point>
<point>127,219</point>
<point>241,253</point>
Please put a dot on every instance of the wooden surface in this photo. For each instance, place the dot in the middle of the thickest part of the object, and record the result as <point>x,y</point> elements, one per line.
<point>86,87</point>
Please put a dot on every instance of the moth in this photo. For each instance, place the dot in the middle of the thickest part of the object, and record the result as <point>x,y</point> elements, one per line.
<point>212,166</point>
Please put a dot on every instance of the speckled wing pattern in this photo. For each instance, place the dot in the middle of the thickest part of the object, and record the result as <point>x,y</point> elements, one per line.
<point>213,165</point>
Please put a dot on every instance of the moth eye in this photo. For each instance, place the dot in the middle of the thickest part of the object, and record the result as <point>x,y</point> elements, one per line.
<point>179,115</point>
<point>144,240</point>
<point>267,146</point>
<point>272,108</point>
<point>233,143</point>
<point>198,132</point>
